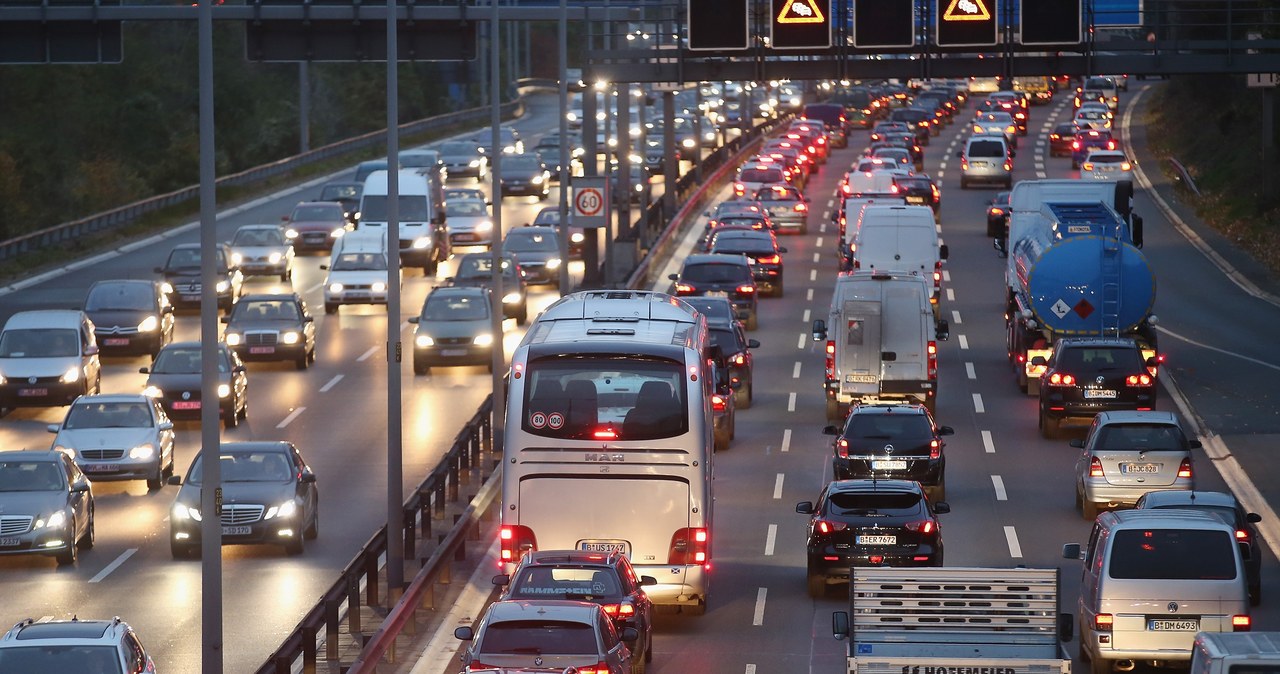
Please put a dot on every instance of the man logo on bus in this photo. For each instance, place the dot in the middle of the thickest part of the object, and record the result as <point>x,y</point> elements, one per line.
<point>555,421</point>
<point>538,420</point>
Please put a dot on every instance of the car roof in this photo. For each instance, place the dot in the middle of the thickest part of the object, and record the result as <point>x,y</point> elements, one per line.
<point>570,557</point>
<point>189,345</point>
<point>45,318</point>
<point>112,397</point>
<point>1190,499</point>
<point>1137,417</point>
<point>877,485</point>
<point>716,258</point>
<point>277,227</point>
<point>531,230</point>
<point>30,455</point>
<point>127,281</point>
<point>543,609</point>
<point>64,629</point>
<point>890,408</point>
<point>253,446</point>
<point>269,296</point>
<point>1162,518</point>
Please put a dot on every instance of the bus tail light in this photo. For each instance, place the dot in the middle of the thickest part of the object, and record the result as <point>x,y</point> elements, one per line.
<point>691,545</point>
<point>516,540</point>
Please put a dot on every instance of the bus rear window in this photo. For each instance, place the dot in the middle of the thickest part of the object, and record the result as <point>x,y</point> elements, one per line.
<point>602,398</point>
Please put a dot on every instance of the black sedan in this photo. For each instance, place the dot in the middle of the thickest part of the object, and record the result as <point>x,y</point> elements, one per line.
<point>272,327</point>
<point>269,496</point>
<point>476,269</point>
<point>1228,508</point>
<point>347,194</point>
<point>735,350</point>
<point>891,441</point>
<point>538,250</point>
<point>130,316</point>
<point>762,251</point>
<point>174,379</point>
<point>525,174</point>
<point>870,523</point>
<point>1060,140</point>
<point>181,273</point>
<point>998,215</point>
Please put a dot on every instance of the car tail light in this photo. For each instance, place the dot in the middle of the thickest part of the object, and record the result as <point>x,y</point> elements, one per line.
<point>802,207</point>
<point>718,403</point>
<point>842,448</point>
<point>690,545</point>
<point>619,610</point>
<point>601,667</point>
<point>923,526</point>
<point>1008,165</point>
<point>1184,470</point>
<point>996,210</point>
<point>1087,166</point>
<point>769,259</point>
<point>933,359</point>
<point>1241,623</point>
<point>1054,136</point>
<point>1095,467</point>
<point>1059,379</point>
<point>1143,379</point>
<point>937,194</point>
<point>516,540</point>
<point>1111,145</point>
<point>1075,145</point>
<point>1011,129</point>
<point>747,289</point>
<point>935,449</point>
<point>1242,536</point>
<point>1126,166</point>
<point>739,189</point>
<point>684,289</point>
<point>1103,621</point>
<point>739,359</point>
<point>964,164</point>
<point>827,526</point>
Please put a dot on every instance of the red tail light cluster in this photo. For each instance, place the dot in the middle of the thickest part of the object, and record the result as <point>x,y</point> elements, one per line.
<point>1241,623</point>
<point>601,667</point>
<point>747,289</point>
<point>842,448</point>
<point>691,545</point>
<point>718,403</point>
<point>1143,379</point>
<point>827,526</point>
<point>619,611</point>
<point>935,449</point>
<point>1095,467</point>
<point>830,361</point>
<point>933,359</point>
<point>684,289</point>
<point>515,541</point>
<point>769,259</point>
<point>923,526</point>
<point>1103,621</point>
<point>1059,379</point>
<point>1242,536</point>
<point>1184,469</point>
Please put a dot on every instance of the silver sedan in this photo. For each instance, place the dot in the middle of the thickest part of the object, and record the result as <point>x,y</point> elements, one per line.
<point>118,437</point>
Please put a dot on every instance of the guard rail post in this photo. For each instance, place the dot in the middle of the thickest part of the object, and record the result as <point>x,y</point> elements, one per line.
<point>371,576</point>
<point>331,622</point>
<point>353,605</point>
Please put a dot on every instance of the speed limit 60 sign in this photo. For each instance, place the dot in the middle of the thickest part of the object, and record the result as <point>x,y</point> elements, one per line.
<point>590,201</point>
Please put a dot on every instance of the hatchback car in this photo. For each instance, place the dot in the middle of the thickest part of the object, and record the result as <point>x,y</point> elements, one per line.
<point>551,633</point>
<point>469,222</point>
<point>762,251</point>
<point>262,250</point>
<point>538,251</point>
<point>550,216</point>
<point>1060,140</point>
<point>895,441</point>
<point>525,174</point>
<point>754,176</point>
<point>316,225</point>
<point>118,436</point>
<point>269,496</point>
<point>476,270</point>
<point>997,123</point>
<point>347,194</point>
<point>1085,376</point>
<point>46,506</point>
<point>869,523</point>
<point>453,329</point>
<point>720,276</point>
<point>130,316</point>
<point>48,357</point>
<point>272,327</point>
<point>1227,507</point>
<point>85,646</point>
<point>920,190</point>
<point>604,578</point>
<point>786,207</point>
<point>1092,116</point>
<point>181,272</point>
<point>986,159</point>
<point>174,380</point>
<point>1128,454</point>
<point>735,349</point>
<point>1106,165</point>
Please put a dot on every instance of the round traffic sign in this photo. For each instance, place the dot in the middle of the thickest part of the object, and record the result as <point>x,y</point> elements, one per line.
<point>588,201</point>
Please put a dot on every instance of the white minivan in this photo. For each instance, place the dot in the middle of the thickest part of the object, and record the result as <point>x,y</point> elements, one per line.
<point>47,358</point>
<point>357,270</point>
<point>899,238</point>
<point>423,239</point>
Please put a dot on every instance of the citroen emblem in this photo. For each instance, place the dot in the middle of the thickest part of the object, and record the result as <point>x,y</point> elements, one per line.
<point>888,449</point>
<point>1100,380</point>
<point>186,395</point>
<point>537,662</point>
<point>1173,607</point>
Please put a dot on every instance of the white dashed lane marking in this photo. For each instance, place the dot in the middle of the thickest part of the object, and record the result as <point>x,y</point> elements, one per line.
<point>795,371</point>
<point>1015,550</point>
<point>770,539</point>
<point>777,486</point>
<point>331,383</point>
<point>955,317</point>
<point>115,564</point>
<point>998,483</point>
<point>969,372</point>
<point>289,419</point>
<point>964,343</point>
<point>987,443</point>
<point>368,354</point>
<point>758,618</point>
<point>791,401</point>
<point>786,440</point>
<point>978,407</point>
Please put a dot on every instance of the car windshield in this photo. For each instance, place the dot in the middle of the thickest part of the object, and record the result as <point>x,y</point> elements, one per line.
<point>1143,437</point>
<point>185,360</point>
<point>458,147</point>
<point>31,476</point>
<point>108,415</point>
<point>258,237</point>
<point>523,164</point>
<point>454,307</point>
<point>466,207</point>
<point>248,466</point>
<point>39,343</point>
<point>265,310</point>
<point>727,340</point>
<point>538,637</point>
<point>1173,554</point>
<point>317,212</point>
<point>523,240</point>
<point>360,262</point>
<point>121,296</point>
<point>549,582</point>
<point>186,258</point>
<point>549,216</point>
<point>340,192</point>
<point>716,273</point>
<point>473,266</point>
<point>60,658</point>
<point>866,503</point>
<point>1099,359</point>
<point>759,175</point>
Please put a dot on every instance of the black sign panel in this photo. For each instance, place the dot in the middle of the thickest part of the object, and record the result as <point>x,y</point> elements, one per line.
<point>336,40</point>
<point>967,23</point>
<point>60,42</point>
<point>1051,22</point>
<point>884,23</point>
<point>800,24</point>
<point>718,24</point>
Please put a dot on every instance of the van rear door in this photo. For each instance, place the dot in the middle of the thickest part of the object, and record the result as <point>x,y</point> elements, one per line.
<point>904,336</point>
<point>859,347</point>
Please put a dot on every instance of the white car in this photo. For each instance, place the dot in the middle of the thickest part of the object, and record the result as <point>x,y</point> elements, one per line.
<point>469,222</point>
<point>118,437</point>
<point>263,249</point>
<point>1093,116</point>
<point>997,123</point>
<point>73,646</point>
<point>1106,165</point>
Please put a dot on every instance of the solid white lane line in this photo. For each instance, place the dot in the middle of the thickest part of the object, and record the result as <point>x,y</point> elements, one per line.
<point>813,274</point>
<point>777,485</point>
<point>808,296</point>
<point>977,404</point>
<point>951,295</point>
<point>968,370</point>
<point>289,419</point>
<point>955,316</point>
<point>368,354</point>
<point>817,257</point>
<point>964,342</point>
<point>818,242</point>
<point>998,483</point>
<point>758,618</point>
<point>113,565</point>
<point>331,383</point>
<point>791,401</point>
<point>770,539</point>
<point>1224,352</point>
<point>800,344</point>
<point>988,443</point>
<point>805,320</point>
<point>786,440</point>
<point>795,371</point>
<point>1015,550</point>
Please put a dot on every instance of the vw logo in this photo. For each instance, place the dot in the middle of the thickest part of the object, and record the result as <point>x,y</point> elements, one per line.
<point>1173,607</point>
<point>186,395</point>
<point>888,449</point>
<point>31,380</point>
<point>1100,380</point>
<point>537,662</point>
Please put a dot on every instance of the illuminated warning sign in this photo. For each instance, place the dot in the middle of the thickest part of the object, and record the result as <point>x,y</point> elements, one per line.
<point>801,11</point>
<point>967,10</point>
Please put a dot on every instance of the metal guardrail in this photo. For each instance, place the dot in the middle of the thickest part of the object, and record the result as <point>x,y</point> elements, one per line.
<point>1183,176</point>
<point>130,213</point>
<point>422,509</point>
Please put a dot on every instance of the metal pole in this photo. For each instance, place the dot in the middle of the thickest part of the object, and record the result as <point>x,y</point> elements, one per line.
<point>563,39</point>
<point>670,162</point>
<point>615,186</point>
<point>496,303</point>
<point>640,149</point>
<point>304,106</point>
<point>395,458</point>
<point>591,167</point>
<point>699,116</point>
<point>210,431</point>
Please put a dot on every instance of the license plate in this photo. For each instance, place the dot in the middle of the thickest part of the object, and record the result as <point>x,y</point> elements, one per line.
<point>860,378</point>
<point>236,531</point>
<point>453,352</point>
<point>190,298</point>
<point>979,164</point>
<point>915,200</point>
<point>1127,468</point>
<point>32,392</point>
<point>115,341</point>
<point>99,467</point>
<point>186,404</point>
<point>885,464</point>
<point>605,546</point>
<point>1173,625</point>
<point>356,296</point>
<point>718,293</point>
<point>10,542</point>
<point>877,540</point>
<point>465,237</point>
<point>1096,393</point>
<point>262,349</point>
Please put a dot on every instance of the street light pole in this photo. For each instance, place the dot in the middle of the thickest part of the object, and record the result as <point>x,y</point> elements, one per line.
<point>495,122</point>
<point>563,39</point>
<point>395,414</point>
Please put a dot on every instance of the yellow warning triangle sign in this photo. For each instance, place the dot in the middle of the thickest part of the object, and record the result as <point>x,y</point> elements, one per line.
<point>967,10</point>
<point>800,11</point>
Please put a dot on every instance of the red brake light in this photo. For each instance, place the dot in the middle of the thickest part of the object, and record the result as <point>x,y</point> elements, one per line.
<point>769,259</point>
<point>747,289</point>
<point>996,210</point>
<point>718,403</point>
<point>923,526</point>
<point>826,526</point>
<point>599,668</point>
<point>515,541</point>
<point>1241,623</point>
<point>1184,471</point>
<point>1111,145</point>
<point>933,359</point>
<point>683,289</point>
<point>1242,535</point>
<point>842,448</point>
<point>1138,380</point>
<point>605,433</point>
<point>935,449</point>
<point>689,546</point>
<point>1095,467</point>
<point>1075,145</point>
<point>831,348</point>
<point>1103,621</point>
<point>801,207</point>
<point>1058,379</point>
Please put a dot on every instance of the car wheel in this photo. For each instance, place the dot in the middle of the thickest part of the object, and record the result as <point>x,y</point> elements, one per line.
<point>420,367</point>
<point>311,532</point>
<point>1075,164</point>
<point>156,482</point>
<point>964,184</point>
<point>180,550</point>
<point>817,584</point>
<point>69,556</point>
<point>330,308</point>
<point>232,420</point>
<point>302,361</point>
<point>86,542</point>
<point>295,547</point>
<point>523,317</point>
<point>742,397</point>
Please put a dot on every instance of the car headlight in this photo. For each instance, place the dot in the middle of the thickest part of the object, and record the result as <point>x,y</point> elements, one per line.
<point>166,287</point>
<point>289,338</point>
<point>71,376</point>
<point>483,340</point>
<point>511,298</point>
<point>182,512</point>
<point>222,287</point>
<point>639,187</point>
<point>553,263</point>
<point>291,233</point>
<point>577,237</point>
<point>274,258</point>
<point>53,521</point>
<point>484,226</point>
<point>423,341</point>
<point>421,242</point>
<point>474,163</point>
<point>142,452</point>
<point>286,509</point>
<point>571,116</point>
<point>536,180</point>
<point>152,392</point>
<point>149,324</point>
<point>337,233</point>
<point>236,258</point>
<point>710,135</point>
<point>335,288</point>
<point>224,390</point>
<point>232,338</point>
<point>688,142</point>
<point>378,287</point>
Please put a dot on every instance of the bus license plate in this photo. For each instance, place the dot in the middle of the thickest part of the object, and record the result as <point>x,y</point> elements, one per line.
<point>877,540</point>
<point>1173,625</point>
<point>606,547</point>
<point>888,465</point>
<point>236,531</point>
<point>1128,468</point>
<point>1096,393</point>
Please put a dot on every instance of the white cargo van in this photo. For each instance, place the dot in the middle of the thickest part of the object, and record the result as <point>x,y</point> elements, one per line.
<point>849,213</point>
<point>1235,653</point>
<point>899,238</point>
<point>882,344</point>
<point>423,238</point>
<point>357,270</point>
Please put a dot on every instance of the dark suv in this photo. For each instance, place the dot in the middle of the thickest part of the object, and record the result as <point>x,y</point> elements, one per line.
<point>717,275</point>
<point>870,523</point>
<point>1085,376</point>
<point>762,251</point>
<point>891,442</point>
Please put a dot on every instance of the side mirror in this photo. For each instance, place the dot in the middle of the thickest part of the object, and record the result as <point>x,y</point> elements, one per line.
<point>630,635</point>
<point>944,252</point>
<point>80,486</point>
<point>819,330</point>
<point>1077,443</point>
<point>946,430</point>
<point>414,319</point>
<point>1071,551</point>
<point>1194,444</point>
<point>308,477</point>
<point>805,507</point>
<point>166,425</point>
<point>324,267</point>
<point>144,370</point>
<point>830,430</point>
<point>501,580</point>
<point>840,625</point>
<point>753,343</point>
<point>782,249</point>
<point>175,480</point>
<point>1253,518</point>
<point>941,508</point>
<point>646,581</point>
<point>463,634</point>
<point>943,330</point>
<point>53,428</point>
<point>1039,360</point>
<point>224,319</point>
